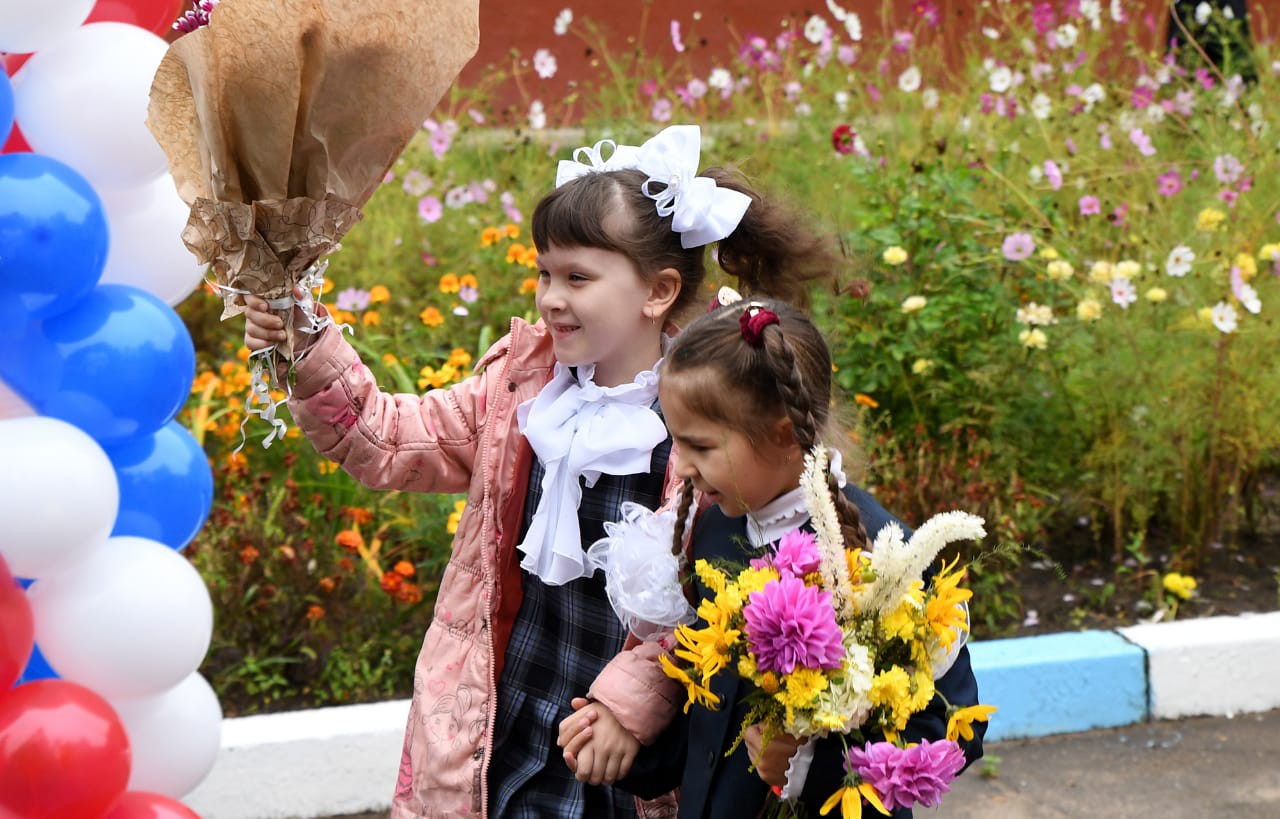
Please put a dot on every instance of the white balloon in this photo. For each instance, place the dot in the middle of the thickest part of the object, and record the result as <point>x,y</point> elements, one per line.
<point>174,737</point>
<point>131,618</point>
<point>83,100</point>
<point>58,495</point>
<point>12,405</point>
<point>146,248</point>
<point>27,25</point>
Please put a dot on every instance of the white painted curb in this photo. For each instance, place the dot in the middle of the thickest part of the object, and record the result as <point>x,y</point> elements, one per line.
<point>1216,666</point>
<point>335,761</point>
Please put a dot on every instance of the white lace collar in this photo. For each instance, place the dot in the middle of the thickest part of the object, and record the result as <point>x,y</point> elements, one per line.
<point>785,512</point>
<point>580,430</point>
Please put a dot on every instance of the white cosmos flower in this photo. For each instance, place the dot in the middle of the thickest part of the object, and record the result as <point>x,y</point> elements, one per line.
<point>563,19</point>
<point>1001,79</point>
<point>909,80</point>
<point>929,98</point>
<point>1041,106</point>
<point>1203,12</point>
<point>1224,317</point>
<point>1066,35</point>
<point>854,26</point>
<point>816,30</point>
<point>1179,262</point>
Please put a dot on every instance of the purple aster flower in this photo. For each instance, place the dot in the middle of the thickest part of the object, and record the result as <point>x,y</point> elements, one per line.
<point>1089,206</point>
<point>352,299</point>
<point>1018,246</point>
<point>797,553</point>
<point>905,777</point>
<point>790,624</point>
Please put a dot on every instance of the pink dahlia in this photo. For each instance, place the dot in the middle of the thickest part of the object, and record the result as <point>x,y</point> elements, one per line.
<point>906,777</point>
<point>790,624</point>
<point>797,553</point>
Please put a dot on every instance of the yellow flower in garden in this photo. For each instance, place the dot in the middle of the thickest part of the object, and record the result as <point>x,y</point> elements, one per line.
<point>1179,585</point>
<point>431,317</point>
<point>1156,295</point>
<point>1205,315</point>
<point>1270,252</point>
<point>529,285</point>
<point>378,294</point>
<point>1101,273</point>
<point>455,517</point>
<point>921,365</point>
<point>342,316</point>
<point>1209,219</point>
<point>449,283</point>
<point>389,359</point>
<point>1089,310</point>
<point>490,236</point>
<point>1033,338</point>
<point>894,256</point>
<point>1048,254</point>
<point>865,400</point>
<point>429,376</point>
<point>515,253</point>
<point>243,354</point>
<point>530,257</point>
<point>960,724</point>
<point>460,357</point>
<point>913,304</point>
<point>326,287</point>
<point>469,280</point>
<point>1060,270</point>
<point>511,231</point>
<point>1128,269</point>
<point>371,318</point>
<point>1248,267</point>
<point>698,694</point>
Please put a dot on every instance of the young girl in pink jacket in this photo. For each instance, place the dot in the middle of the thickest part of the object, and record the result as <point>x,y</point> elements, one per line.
<point>558,427</point>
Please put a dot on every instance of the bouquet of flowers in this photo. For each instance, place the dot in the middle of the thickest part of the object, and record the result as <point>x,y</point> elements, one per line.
<point>839,640</point>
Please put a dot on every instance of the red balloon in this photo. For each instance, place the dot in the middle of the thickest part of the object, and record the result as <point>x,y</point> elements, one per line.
<point>17,630</point>
<point>63,752</point>
<point>17,143</point>
<point>144,805</point>
<point>156,16</point>
<point>12,62</point>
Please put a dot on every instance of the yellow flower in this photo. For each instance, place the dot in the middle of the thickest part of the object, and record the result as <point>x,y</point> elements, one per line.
<point>530,257</point>
<point>1270,252</point>
<point>945,611</point>
<point>242,354</point>
<point>529,285</point>
<point>1048,253</point>
<point>865,400</point>
<point>960,724</point>
<point>769,682</point>
<point>850,801</point>
<point>326,287</point>
<point>1205,315</point>
<point>1179,585</point>
<point>891,690</point>
<point>921,365</point>
<point>1060,270</point>
<point>1209,219</point>
<point>802,687</point>
<point>431,377</point>
<point>515,253</point>
<point>1128,269</point>
<point>371,318</point>
<point>1089,310</point>
<point>894,256</point>
<point>1101,273</point>
<point>389,359</point>
<point>469,280</point>
<point>511,231</point>
<point>1156,295</point>
<point>753,580</point>
<point>922,688</point>
<point>378,294</point>
<point>698,694</point>
<point>431,317</point>
<point>460,357</point>
<point>449,283</point>
<point>455,517</point>
<point>1033,338</point>
<point>900,623</point>
<point>913,304</point>
<point>710,576</point>
<point>327,467</point>
<point>706,649</point>
<point>1248,267</point>
<point>490,236</point>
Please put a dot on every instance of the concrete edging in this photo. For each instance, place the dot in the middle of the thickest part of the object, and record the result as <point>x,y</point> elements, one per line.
<point>333,761</point>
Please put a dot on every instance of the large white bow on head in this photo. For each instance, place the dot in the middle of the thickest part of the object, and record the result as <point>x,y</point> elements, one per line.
<point>701,211</point>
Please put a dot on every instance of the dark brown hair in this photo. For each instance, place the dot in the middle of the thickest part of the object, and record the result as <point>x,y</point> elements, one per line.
<point>723,378</point>
<point>771,253</point>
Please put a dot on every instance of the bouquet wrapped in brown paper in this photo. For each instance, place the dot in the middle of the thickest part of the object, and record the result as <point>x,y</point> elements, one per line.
<point>281,117</point>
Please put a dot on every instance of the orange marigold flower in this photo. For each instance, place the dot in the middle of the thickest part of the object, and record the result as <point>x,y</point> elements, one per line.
<point>371,319</point>
<point>249,554</point>
<point>529,285</point>
<point>404,568</point>
<point>490,236</point>
<point>515,253</point>
<point>469,280</point>
<point>530,258</point>
<point>460,357</point>
<point>328,584</point>
<point>409,593</point>
<point>342,316</point>
<point>326,467</point>
<point>865,400</point>
<point>391,582</point>
<point>328,285</point>
<point>350,540</point>
<point>378,294</point>
<point>237,463</point>
<point>228,368</point>
<point>357,514</point>
<point>389,359</point>
<point>431,317</point>
<point>346,565</point>
<point>512,231</point>
<point>314,612</point>
<point>243,353</point>
<point>449,283</point>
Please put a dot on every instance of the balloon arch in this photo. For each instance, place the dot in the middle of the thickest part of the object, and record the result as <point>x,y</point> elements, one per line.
<point>103,622</point>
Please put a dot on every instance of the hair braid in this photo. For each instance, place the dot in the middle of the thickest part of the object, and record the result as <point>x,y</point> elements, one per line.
<point>855,534</point>
<point>682,514</point>
<point>791,386</point>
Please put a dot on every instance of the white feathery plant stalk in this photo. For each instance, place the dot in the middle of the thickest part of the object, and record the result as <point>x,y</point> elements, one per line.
<point>897,563</point>
<point>826,527</point>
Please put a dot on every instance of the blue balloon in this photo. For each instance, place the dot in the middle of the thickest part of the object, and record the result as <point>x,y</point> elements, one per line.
<point>166,486</point>
<point>53,235</point>
<point>6,107</point>
<point>118,365</point>
<point>37,667</point>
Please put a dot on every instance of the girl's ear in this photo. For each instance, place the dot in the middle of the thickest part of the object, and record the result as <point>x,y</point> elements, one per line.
<point>782,435</point>
<point>663,292</point>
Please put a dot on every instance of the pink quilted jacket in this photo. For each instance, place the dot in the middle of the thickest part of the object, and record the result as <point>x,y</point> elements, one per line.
<point>463,439</point>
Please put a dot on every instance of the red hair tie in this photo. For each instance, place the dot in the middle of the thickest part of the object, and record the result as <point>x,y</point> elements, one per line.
<point>753,321</point>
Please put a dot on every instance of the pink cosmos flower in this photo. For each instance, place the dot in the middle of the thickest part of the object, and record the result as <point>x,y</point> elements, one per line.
<point>797,553</point>
<point>1228,169</point>
<point>846,54</point>
<point>1123,292</point>
<point>1018,246</point>
<point>1089,206</point>
<point>790,625</point>
<point>1142,142</point>
<point>1170,183</point>
<point>1053,173</point>
<point>1143,95</point>
<point>661,111</point>
<point>440,142</point>
<point>905,777</point>
<point>352,299</point>
<point>430,209</point>
<point>676,42</point>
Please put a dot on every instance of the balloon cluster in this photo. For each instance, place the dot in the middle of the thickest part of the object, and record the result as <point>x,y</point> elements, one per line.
<point>103,622</point>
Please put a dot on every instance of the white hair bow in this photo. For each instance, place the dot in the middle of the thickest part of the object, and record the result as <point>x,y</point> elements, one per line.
<point>701,211</point>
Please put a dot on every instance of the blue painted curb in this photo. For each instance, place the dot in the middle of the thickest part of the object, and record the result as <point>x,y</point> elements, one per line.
<point>1060,683</point>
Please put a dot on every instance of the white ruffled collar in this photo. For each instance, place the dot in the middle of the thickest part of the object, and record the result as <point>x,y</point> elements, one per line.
<point>785,512</point>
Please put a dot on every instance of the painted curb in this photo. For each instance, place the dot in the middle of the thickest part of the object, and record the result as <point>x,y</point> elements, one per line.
<point>335,761</point>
